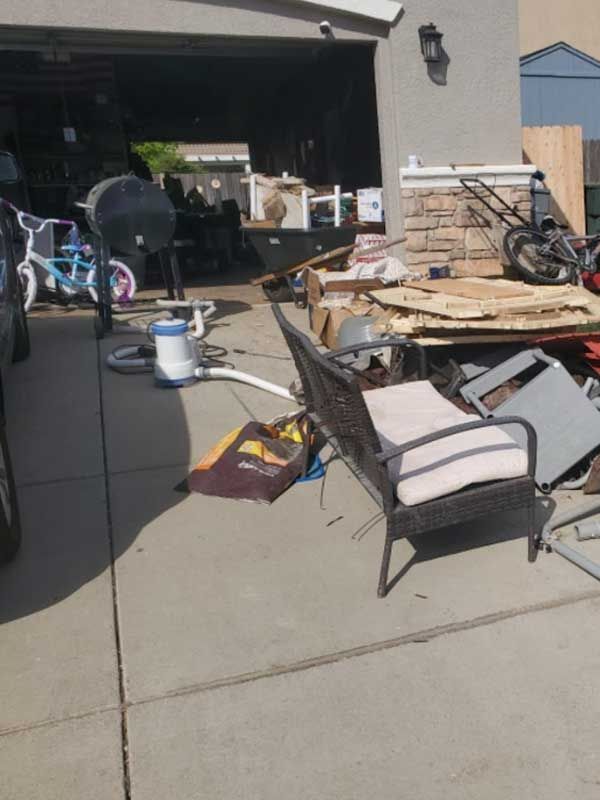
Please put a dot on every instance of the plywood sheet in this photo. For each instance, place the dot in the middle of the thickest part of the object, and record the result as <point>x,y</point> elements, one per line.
<point>456,308</point>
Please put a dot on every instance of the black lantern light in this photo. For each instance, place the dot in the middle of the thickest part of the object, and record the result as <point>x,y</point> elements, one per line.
<point>431,42</point>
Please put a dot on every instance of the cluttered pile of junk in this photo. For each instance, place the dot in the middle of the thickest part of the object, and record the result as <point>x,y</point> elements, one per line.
<point>452,390</point>
<point>518,337</point>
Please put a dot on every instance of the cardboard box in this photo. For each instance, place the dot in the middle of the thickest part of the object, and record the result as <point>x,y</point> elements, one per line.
<point>315,290</point>
<point>325,322</point>
<point>370,205</point>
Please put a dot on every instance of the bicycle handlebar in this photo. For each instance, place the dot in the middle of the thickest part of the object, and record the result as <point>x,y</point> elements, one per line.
<point>22,215</point>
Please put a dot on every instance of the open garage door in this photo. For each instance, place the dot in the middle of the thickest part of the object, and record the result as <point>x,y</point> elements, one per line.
<point>73,104</point>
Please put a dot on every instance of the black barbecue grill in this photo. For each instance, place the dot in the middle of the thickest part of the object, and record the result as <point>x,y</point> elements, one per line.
<point>134,217</point>
<point>131,215</point>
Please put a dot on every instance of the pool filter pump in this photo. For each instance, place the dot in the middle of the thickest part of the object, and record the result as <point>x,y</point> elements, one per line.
<point>177,358</point>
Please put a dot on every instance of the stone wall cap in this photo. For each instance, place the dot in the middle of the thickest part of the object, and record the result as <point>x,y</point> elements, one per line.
<point>446,176</point>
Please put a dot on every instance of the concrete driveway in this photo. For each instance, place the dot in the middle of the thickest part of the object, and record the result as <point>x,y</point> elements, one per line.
<point>158,645</point>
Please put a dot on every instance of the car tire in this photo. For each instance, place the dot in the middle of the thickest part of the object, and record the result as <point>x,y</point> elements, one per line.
<point>10,525</point>
<point>22,345</point>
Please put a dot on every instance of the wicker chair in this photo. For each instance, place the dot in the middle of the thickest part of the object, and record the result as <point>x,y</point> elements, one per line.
<point>336,407</point>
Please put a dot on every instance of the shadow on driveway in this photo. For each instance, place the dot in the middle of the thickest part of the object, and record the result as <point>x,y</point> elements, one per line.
<point>57,435</point>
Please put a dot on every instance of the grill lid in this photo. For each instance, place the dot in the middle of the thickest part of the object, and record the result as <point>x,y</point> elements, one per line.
<point>131,215</point>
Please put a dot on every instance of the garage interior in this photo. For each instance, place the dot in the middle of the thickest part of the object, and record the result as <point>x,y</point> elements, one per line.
<point>71,106</point>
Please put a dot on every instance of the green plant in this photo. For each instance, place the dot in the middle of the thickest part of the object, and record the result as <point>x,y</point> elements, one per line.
<point>163,157</point>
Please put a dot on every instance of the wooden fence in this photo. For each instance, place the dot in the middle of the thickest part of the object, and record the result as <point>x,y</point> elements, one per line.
<point>591,162</point>
<point>558,151</point>
<point>231,187</point>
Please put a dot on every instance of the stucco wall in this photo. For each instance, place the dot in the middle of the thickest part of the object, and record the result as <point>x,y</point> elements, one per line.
<point>256,18</point>
<point>474,117</point>
<point>546,22</point>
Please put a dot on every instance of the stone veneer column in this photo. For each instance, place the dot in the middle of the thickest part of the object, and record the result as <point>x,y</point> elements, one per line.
<point>446,226</point>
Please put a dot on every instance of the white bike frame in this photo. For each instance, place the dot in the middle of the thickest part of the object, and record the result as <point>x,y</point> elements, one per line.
<point>32,257</point>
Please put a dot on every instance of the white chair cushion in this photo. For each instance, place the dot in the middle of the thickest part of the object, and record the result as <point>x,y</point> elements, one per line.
<point>411,410</point>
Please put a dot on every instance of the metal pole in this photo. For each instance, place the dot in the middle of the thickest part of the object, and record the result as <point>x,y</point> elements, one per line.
<point>574,556</point>
<point>103,322</point>
<point>175,273</point>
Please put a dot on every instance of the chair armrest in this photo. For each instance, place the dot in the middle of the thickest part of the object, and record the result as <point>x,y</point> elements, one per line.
<point>383,458</point>
<point>377,344</point>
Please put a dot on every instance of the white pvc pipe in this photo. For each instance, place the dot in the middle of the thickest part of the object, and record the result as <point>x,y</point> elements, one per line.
<point>327,198</point>
<point>338,205</point>
<point>305,210</point>
<point>253,197</point>
<point>243,377</point>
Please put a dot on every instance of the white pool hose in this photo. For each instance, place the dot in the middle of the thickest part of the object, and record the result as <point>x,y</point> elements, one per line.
<point>204,373</point>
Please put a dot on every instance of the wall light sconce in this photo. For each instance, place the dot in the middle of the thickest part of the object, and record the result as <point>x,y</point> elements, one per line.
<point>431,43</point>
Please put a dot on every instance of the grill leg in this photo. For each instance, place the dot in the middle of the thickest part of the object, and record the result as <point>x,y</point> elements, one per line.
<point>385,566</point>
<point>532,536</point>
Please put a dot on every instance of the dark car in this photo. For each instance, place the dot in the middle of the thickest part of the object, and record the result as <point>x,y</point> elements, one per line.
<point>14,346</point>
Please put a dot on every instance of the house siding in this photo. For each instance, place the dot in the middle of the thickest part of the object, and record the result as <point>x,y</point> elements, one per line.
<point>561,87</point>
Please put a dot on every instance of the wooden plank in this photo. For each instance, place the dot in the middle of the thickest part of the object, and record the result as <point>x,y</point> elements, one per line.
<point>472,289</point>
<point>524,323</point>
<point>558,151</point>
<point>401,325</point>
<point>356,285</point>
<point>442,304</point>
<point>458,308</point>
<point>327,259</point>
<point>324,260</point>
<point>507,308</point>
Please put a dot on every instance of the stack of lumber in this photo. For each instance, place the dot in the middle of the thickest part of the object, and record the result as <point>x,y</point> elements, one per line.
<point>484,308</point>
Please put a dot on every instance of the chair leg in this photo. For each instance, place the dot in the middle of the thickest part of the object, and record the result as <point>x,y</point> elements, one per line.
<point>532,534</point>
<point>385,565</point>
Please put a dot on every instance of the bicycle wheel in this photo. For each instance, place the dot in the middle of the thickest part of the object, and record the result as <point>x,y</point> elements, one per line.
<point>538,258</point>
<point>122,283</point>
<point>28,281</point>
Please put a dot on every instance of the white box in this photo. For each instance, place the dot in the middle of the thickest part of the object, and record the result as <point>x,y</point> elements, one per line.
<point>370,205</point>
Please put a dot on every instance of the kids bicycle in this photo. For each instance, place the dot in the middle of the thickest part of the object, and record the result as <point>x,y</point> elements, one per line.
<point>75,272</point>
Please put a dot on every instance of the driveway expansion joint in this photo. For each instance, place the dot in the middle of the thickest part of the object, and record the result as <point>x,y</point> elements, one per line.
<point>419,637</point>
<point>115,590</point>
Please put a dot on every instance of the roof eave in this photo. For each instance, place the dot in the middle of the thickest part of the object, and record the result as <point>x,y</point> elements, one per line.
<point>381,10</point>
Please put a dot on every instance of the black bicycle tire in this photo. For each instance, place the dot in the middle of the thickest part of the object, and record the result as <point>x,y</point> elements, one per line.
<point>530,277</point>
